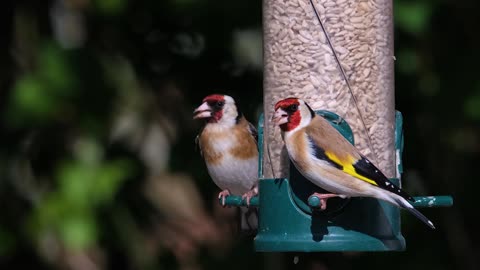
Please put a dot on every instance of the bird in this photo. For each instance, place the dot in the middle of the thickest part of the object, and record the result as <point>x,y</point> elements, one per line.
<point>323,156</point>
<point>228,144</point>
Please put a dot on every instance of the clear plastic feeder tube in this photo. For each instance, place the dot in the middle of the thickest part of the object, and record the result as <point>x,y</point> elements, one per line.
<point>298,62</point>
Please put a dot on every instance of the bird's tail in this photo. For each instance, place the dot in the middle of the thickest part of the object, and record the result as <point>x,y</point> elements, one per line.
<point>248,220</point>
<point>409,207</point>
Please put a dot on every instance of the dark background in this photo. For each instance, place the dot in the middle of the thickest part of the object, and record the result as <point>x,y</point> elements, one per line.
<point>98,168</point>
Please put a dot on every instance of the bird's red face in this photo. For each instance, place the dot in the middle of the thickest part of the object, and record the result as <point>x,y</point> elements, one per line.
<point>287,115</point>
<point>211,108</point>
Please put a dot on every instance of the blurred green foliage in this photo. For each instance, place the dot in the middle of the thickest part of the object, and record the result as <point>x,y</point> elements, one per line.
<point>110,7</point>
<point>83,185</point>
<point>472,105</point>
<point>45,92</point>
<point>413,16</point>
<point>96,116</point>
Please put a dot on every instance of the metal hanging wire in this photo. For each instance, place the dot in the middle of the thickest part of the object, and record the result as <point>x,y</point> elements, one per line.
<point>344,75</point>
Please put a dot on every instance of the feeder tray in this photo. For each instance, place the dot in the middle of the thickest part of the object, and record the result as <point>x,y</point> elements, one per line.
<point>290,219</point>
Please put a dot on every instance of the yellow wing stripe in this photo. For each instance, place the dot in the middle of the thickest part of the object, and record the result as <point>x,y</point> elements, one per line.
<point>348,167</point>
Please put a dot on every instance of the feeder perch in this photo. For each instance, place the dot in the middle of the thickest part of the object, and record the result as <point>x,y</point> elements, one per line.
<point>290,219</point>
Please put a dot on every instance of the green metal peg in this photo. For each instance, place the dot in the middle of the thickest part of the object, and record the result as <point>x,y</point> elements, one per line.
<point>233,200</point>
<point>314,201</point>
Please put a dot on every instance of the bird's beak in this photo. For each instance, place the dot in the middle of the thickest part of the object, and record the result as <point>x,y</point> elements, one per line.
<point>280,117</point>
<point>203,111</point>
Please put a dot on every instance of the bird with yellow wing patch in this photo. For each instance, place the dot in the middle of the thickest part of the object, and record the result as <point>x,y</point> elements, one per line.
<point>323,156</point>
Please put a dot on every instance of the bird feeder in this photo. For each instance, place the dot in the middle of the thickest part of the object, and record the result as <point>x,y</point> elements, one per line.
<point>290,219</point>
<point>337,56</point>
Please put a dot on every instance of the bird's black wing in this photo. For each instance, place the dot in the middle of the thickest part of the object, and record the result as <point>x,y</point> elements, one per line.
<point>253,131</point>
<point>359,167</point>
<point>365,168</point>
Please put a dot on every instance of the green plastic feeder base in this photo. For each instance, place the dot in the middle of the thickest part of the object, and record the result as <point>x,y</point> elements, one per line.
<point>356,227</point>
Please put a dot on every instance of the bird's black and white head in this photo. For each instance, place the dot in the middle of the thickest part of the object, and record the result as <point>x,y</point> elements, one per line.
<point>292,113</point>
<point>220,109</point>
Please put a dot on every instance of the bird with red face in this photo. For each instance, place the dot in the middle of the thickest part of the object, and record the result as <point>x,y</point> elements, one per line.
<point>323,156</point>
<point>228,143</point>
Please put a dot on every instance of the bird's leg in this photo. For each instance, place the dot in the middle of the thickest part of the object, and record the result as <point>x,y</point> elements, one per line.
<point>224,193</point>
<point>249,194</point>
<point>323,198</point>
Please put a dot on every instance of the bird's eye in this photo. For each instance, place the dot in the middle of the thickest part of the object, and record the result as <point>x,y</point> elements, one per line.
<point>219,104</point>
<point>292,108</point>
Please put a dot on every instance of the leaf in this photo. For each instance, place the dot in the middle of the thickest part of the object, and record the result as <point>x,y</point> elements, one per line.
<point>472,106</point>
<point>75,180</point>
<point>110,176</point>
<point>412,17</point>
<point>30,102</point>
<point>78,230</point>
<point>55,70</point>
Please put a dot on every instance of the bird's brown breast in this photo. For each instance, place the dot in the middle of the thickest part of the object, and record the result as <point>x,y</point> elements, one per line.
<point>246,147</point>
<point>240,142</point>
<point>210,154</point>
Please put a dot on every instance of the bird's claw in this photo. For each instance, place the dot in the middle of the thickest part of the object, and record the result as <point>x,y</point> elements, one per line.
<point>323,198</point>
<point>223,194</point>
<point>249,195</point>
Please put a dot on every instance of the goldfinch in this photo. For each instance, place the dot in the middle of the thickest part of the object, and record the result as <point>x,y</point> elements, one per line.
<point>228,143</point>
<point>323,156</point>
